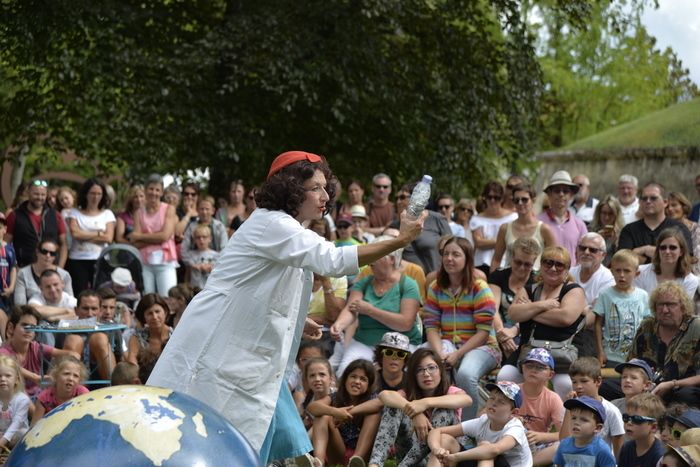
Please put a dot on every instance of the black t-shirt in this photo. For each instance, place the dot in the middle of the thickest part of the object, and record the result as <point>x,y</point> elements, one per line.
<point>628,455</point>
<point>551,333</point>
<point>637,233</point>
<point>500,278</point>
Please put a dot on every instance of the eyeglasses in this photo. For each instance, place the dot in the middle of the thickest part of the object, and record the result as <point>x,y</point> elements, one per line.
<point>550,263</point>
<point>668,247</point>
<point>650,199</point>
<point>465,208</point>
<point>521,200</point>
<point>44,251</point>
<point>559,190</point>
<point>395,353</point>
<point>189,193</point>
<point>492,197</point>
<point>430,369</point>
<point>402,197</point>
<point>669,305</point>
<point>535,366</point>
<point>637,419</point>
<point>383,187</point>
<point>584,249</point>
<point>43,183</point>
<point>522,264</point>
<point>442,207</point>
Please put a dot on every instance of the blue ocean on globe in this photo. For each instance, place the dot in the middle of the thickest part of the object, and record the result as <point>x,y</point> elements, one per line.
<point>134,426</point>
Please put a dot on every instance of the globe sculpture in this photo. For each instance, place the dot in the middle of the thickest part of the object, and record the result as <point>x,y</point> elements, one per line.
<point>134,426</point>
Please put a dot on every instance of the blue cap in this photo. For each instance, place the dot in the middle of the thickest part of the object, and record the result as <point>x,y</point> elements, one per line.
<point>539,355</point>
<point>637,363</point>
<point>689,418</point>
<point>585,402</point>
<point>509,389</point>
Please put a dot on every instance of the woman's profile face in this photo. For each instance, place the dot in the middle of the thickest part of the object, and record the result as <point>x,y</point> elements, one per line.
<point>314,204</point>
<point>669,251</point>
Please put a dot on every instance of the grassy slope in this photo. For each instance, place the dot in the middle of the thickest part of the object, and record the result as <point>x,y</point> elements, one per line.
<point>678,125</point>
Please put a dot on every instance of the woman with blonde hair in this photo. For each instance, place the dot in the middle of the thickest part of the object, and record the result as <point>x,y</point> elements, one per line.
<point>608,221</point>
<point>135,199</point>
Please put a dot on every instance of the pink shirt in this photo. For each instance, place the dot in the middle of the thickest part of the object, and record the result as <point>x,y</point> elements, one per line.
<point>32,361</point>
<point>152,223</point>
<point>47,397</point>
<point>542,412</point>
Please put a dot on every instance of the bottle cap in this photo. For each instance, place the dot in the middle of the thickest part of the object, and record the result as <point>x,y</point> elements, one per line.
<point>427,179</point>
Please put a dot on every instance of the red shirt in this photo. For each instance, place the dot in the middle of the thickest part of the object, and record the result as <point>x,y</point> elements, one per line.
<point>36,222</point>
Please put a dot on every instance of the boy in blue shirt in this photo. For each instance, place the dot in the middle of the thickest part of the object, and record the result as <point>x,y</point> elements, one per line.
<point>584,448</point>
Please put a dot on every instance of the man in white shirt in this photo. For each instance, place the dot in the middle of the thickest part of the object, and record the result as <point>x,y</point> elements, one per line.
<point>583,204</point>
<point>53,303</point>
<point>593,277</point>
<point>627,186</point>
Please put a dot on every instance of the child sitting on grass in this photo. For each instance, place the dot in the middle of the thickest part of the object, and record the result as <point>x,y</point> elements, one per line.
<point>584,447</point>
<point>499,434</point>
<point>641,418</point>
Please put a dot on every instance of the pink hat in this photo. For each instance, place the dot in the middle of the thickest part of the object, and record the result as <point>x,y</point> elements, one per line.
<point>290,157</point>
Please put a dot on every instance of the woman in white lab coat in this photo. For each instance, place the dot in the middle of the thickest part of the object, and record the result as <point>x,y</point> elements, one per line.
<point>239,336</point>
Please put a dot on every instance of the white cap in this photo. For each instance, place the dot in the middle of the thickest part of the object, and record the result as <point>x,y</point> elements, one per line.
<point>121,277</point>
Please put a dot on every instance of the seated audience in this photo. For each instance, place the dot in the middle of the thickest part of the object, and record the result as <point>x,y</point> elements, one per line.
<point>641,419</point>
<point>585,445</point>
<point>154,332</point>
<point>28,277</point>
<point>65,376</point>
<point>15,404</point>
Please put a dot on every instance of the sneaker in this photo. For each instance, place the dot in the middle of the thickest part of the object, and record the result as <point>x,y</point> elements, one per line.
<point>357,461</point>
<point>307,460</point>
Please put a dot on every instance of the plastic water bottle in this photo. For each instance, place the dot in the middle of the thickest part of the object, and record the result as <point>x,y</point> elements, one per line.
<point>419,197</point>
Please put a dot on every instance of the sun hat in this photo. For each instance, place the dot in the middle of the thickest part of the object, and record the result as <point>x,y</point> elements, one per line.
<point>637,363</point>
<point>358,210</point>
<point>689,454</point>
<point>121,277</point>
<point>561,177</point>
<point>539,355</point>
<point>290,157</point>
<point>509,389</point>
<point>395,340</point>
<point>585,402</point>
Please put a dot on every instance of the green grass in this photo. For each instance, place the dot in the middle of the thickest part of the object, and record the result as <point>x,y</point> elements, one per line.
<point>678,125</point>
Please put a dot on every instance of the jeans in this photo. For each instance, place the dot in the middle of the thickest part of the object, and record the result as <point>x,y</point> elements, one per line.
<point>159,278</point>
<point>475,364</point>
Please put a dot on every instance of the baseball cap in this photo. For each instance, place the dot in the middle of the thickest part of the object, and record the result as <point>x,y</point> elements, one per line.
<point>121,277</point>
<point>585,402</point>
<point>345,219</point>
<point>689,418</point>
<point>539,355</point>
<point>395,340</point>
<point>637,363</point>
<point>509,389</point>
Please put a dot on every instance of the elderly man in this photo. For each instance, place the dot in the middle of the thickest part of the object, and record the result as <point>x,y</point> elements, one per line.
<point>640,236</point>
<point>381,210</point>
<point>34,220</point>
<point>567,228</point>
<point>627,195</point>
<point>583,204</point>
<point>593,277</point>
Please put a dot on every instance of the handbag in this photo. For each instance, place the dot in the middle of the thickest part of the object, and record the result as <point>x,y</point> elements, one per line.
<point>563,352</point>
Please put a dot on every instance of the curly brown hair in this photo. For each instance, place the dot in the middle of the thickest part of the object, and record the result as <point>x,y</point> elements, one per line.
<point>284,191</point>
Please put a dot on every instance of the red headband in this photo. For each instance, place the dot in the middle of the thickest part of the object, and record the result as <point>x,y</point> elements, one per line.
<point>290,157</point>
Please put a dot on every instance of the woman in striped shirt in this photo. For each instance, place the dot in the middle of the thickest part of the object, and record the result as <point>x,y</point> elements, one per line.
<point>458,320</point>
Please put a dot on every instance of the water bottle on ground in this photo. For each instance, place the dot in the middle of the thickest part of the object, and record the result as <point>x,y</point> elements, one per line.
<point>419,197</point>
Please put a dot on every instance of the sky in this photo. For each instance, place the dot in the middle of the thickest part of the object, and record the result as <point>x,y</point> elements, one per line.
<point>676,23</point>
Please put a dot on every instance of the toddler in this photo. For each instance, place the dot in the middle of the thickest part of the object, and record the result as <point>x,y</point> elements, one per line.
<point>584,446</point>
<point>66,375</point>
<point>15,403</point>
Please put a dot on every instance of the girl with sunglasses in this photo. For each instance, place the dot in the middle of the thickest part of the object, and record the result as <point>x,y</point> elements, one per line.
<point>390,356</point>
<point>28,277</point>
<point>427,401</point>
<point>551,310</point>
<point>671,262</point>
<point>525,226</point>
<point>484,226</point>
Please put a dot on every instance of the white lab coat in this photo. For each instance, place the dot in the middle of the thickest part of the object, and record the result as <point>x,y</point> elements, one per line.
<point>234,342</point>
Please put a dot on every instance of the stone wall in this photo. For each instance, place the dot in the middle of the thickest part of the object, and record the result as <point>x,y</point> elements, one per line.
<point>675,168</point>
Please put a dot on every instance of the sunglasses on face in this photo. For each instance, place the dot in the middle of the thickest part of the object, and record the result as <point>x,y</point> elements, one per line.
<point>637,419</point>
<point>522,264</point>
<point>550,263</point>
<point>189,193</point>
<point>443,207</point>
<point>649,199</point>
<point>668,247</point>
<point>584,249</point>
<point>559,190</point>
<point>44,251</point>
<point>384,187</point>
<point>493,198</point>
<point>402,197</point>
<point>395,353</point>
<point>521,200</point>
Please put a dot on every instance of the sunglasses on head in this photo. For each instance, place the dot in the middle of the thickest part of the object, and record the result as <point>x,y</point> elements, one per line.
<point>637,419</point>
<point>549,263</point>
<point>44,251</point>
<point>43,183</point>
<point>395,353</point>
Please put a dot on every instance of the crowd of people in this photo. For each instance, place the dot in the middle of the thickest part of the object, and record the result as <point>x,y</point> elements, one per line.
<point>499,298</point>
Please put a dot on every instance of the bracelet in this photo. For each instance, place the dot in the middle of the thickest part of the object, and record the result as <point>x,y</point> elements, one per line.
<point>676,386</point>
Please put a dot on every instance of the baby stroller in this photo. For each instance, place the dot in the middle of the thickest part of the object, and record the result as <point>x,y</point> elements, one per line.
<point>119,255</point>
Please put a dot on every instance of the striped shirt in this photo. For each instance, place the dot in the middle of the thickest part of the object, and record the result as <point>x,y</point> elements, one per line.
<point>459,317</point>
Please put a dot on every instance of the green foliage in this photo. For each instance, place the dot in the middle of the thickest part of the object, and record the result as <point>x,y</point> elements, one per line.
<point>449,88</point>
<point>605,72</point>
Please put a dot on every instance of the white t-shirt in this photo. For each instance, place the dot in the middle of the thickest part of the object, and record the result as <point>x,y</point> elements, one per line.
<point>613,425</point>
<point>66,301</point>
<point>89,250</point>
<point>479,428</point>
<point>629,213</point>
<point>647,280</point>
<point>489,230</point>
<point>599,281</point>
